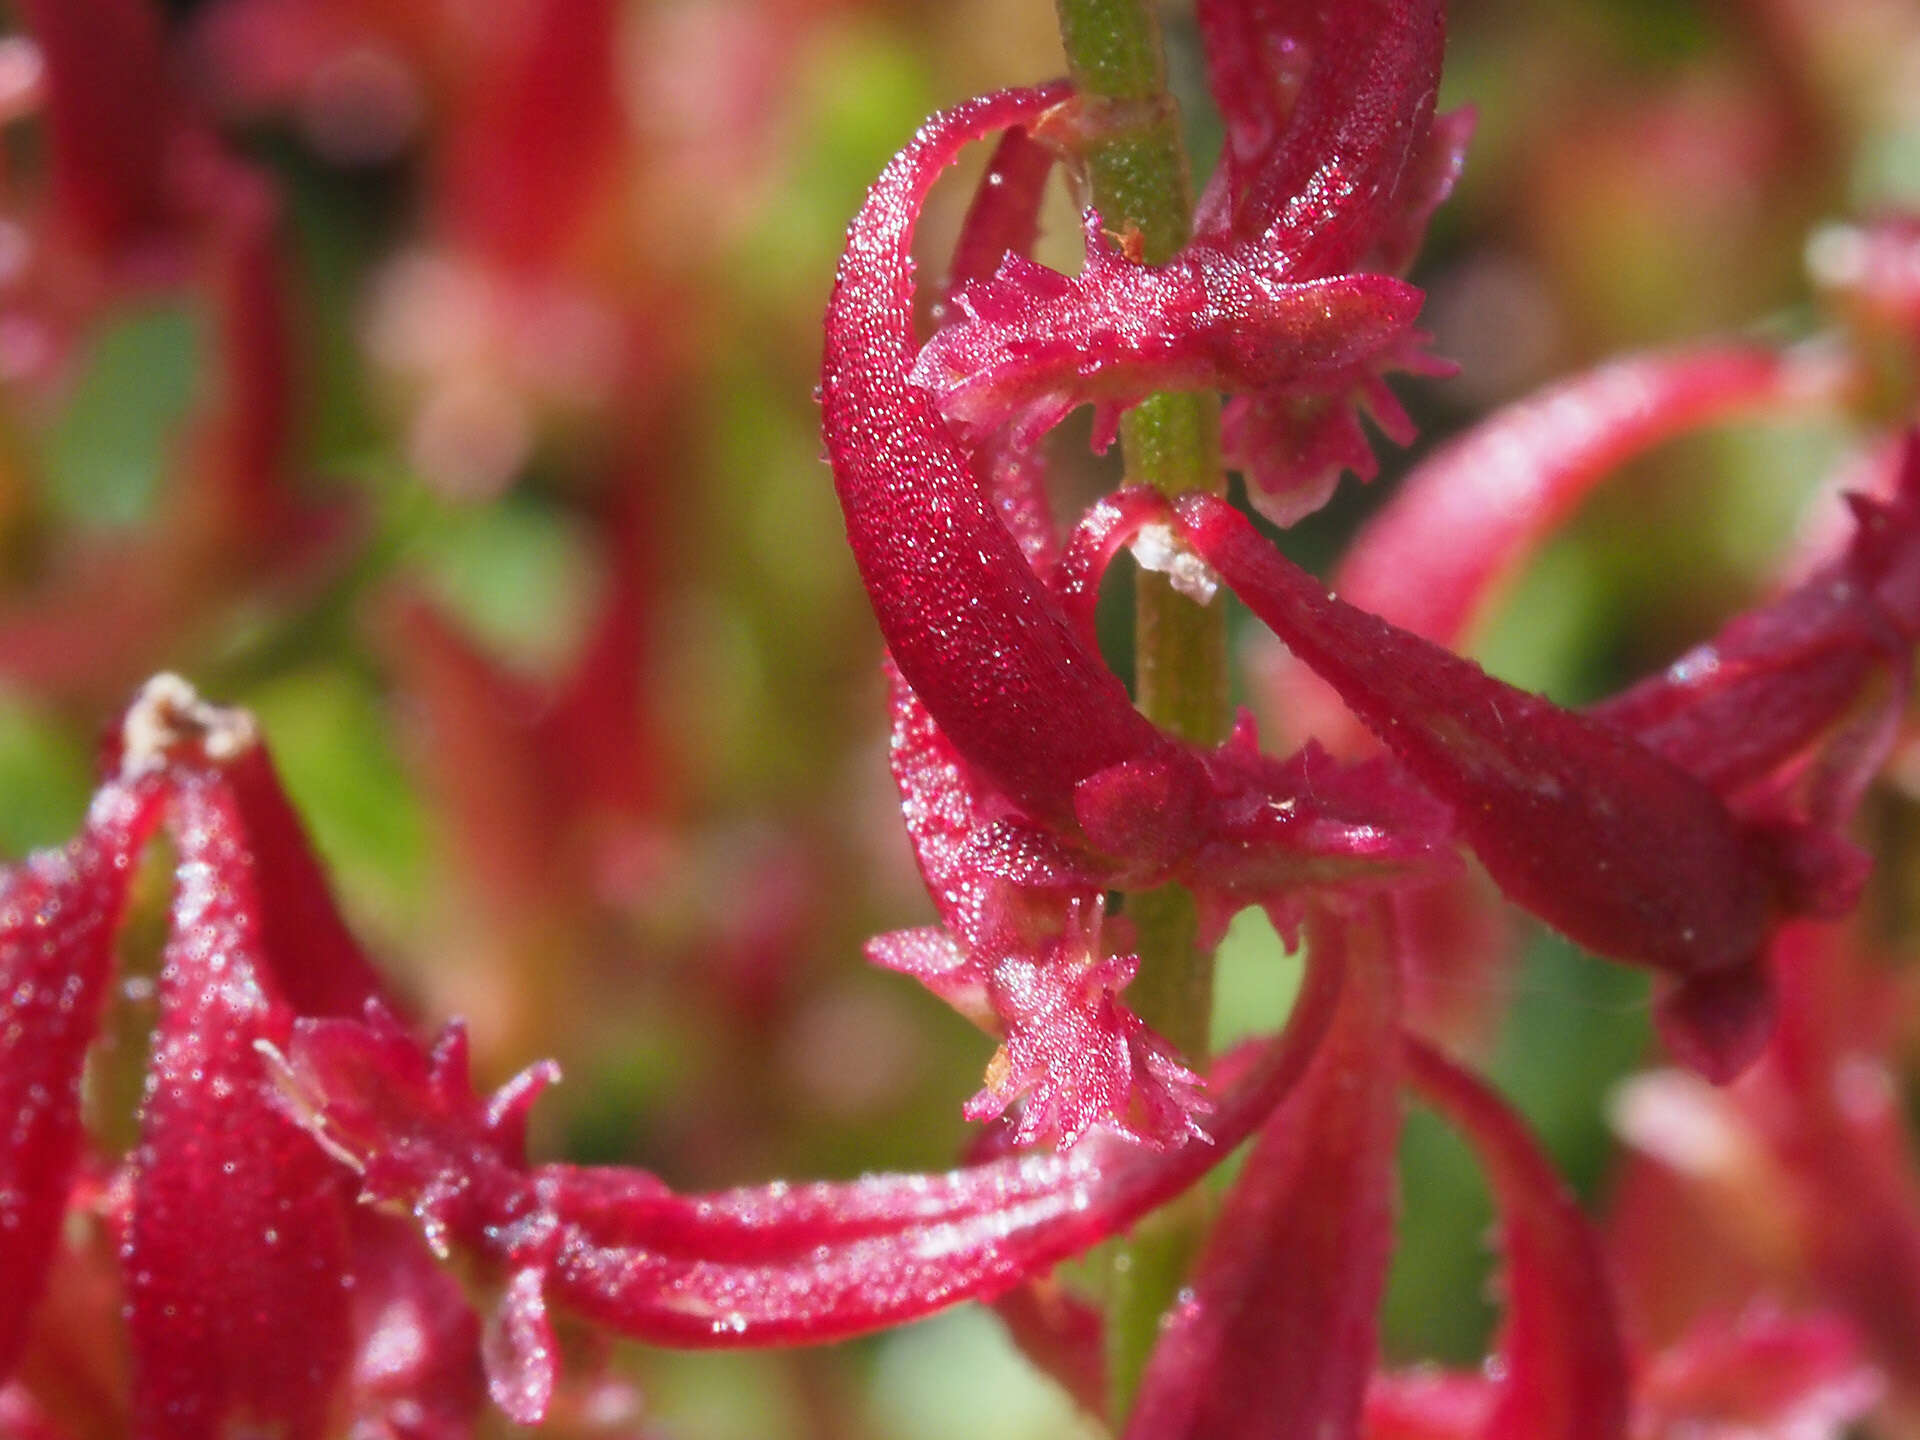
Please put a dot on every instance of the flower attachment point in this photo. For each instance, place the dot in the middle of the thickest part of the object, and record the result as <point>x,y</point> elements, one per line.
<point>1156,549</point>
<point>1077,1053</point>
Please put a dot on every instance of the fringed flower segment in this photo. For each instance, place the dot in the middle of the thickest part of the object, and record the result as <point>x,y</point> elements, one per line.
<point>1678,826</point>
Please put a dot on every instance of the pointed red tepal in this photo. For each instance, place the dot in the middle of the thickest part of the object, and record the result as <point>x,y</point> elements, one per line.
<point>58,915</point>
<point>256,1327</point>
<point>1497,491</point>
<point>1562,1369</point>
<point>1275,1338</point>
<point>255,1324</point>
<point>1607,842</point>
<point>1009,680</point>
<point>1324,126</point>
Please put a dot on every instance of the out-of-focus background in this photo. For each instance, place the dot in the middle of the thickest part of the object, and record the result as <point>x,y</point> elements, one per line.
<point>517,537</point>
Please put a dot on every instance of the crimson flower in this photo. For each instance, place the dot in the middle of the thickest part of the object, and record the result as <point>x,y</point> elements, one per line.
<point>294,1110</point>
<point>1602,824</point>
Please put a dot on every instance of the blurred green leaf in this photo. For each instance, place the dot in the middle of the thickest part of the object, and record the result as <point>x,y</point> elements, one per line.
<point>516,572</point>
<point>332,741</point>
<point>119,431</point>
<point>958,1377</point>
<point>45,776</point>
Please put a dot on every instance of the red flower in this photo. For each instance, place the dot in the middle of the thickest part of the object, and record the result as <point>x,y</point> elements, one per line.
<point>257,1060</point>
<point>259,1325</point>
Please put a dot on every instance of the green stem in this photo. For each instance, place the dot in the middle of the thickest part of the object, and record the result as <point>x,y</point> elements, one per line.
<point>1137,167</point>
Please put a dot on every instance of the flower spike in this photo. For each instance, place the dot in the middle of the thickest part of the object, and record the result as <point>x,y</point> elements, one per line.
<point>1008,725</point>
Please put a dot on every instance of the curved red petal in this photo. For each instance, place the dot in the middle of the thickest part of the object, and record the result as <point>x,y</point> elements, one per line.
<point>254,1327</point>
<point>1008,679</point>
<point>1324,120</point>
<point>1596,835</point>
<point>1562,1369</point>
<point>777,1264</point>
<point>1497,491</point>
<point>58,915</point>
<point>1275,1336</point>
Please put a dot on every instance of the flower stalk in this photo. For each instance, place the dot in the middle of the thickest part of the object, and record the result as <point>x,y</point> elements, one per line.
<point>1141,185</point>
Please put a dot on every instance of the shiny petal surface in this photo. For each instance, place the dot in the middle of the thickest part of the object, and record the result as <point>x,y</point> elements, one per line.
<point>58,914</point>
<point>1562,1371</point>
<point>252,1328</point>
<point>1497,491</point>
<point>1327,108</point>
<point>780,1264</point>
<point>1011,683</point>
<point>1577,822</point>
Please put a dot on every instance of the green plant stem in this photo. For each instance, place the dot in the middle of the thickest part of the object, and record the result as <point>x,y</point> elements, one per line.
<point>1137,167</point>
<point>1141,186</point>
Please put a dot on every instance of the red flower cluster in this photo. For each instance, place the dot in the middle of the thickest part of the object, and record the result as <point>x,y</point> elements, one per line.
<point>1692,824</point>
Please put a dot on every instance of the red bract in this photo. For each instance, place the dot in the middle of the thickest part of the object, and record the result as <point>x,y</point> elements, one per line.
<point>256,1325</point>
<point>1072,1047</point>
<point>1019,694</point>
<point>1792,709</point>
<point>1586,828</point>
<point>58,913</point>
<point>1329,116</point>
<point>1035,343</point>
<point>1022,955</point>
<point>1515,477</point>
